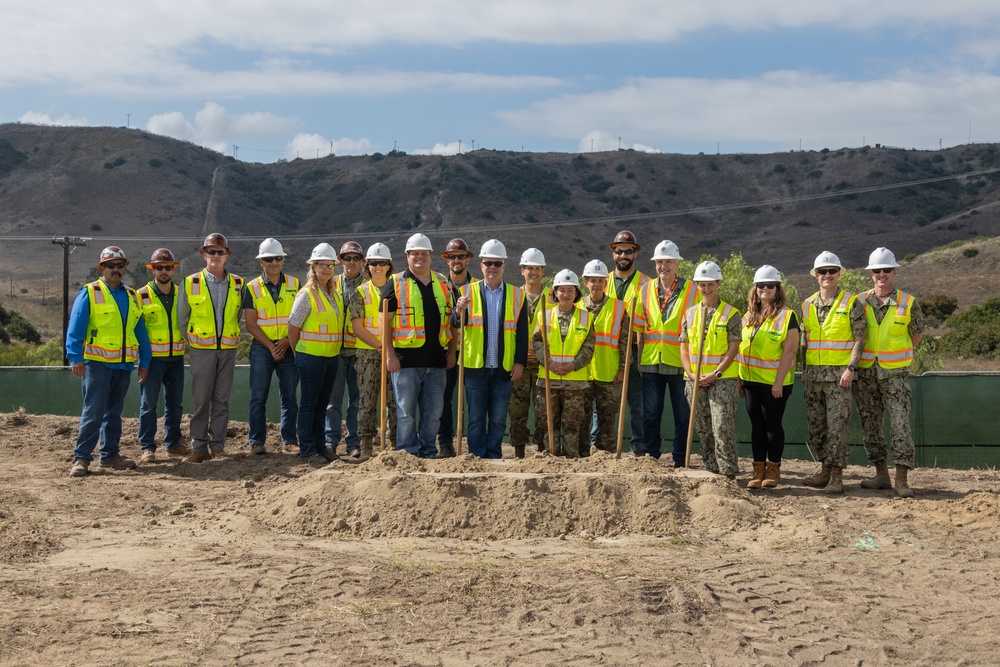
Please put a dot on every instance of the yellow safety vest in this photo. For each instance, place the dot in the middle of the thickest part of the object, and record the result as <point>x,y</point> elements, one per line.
<point>408,320</point>
<point>760,354</point>
<point>272,318</point>
<point>165,336</point>
<point>830,344</point>
<point>201,333</point>
<point>566,350</point>
<point>322,333</point>
<point>474,343</point>
<point>108,339</point>
<point>338,286</point>
<point>889,342</point>
<point>716,339</point>
<point>372,297</point>
<point>661,341</point>
<point>608,332</point>
<point>636,283</point>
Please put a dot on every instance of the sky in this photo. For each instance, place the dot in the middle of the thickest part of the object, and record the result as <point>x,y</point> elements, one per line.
<point>267,80</point>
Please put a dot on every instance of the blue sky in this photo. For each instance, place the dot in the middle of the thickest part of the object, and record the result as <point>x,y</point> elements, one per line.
<point>302,77</point>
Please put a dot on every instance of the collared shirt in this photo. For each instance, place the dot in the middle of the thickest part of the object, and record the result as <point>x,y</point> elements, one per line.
<point>859,325</point>
<point>916,327</point>
<point>595,308</point>
<point>274,289</point>
<point>218,289</point>
<point>494,306</point>
<point>79,319</point>
<point>581,359</point>
<point>666,369</point>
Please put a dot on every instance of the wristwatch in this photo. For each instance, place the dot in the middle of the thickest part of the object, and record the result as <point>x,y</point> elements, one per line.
<point>852,368</point>
<point>718,374</point>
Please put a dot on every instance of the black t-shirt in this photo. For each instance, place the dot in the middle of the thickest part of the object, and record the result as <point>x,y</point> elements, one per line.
<point>430,354</point>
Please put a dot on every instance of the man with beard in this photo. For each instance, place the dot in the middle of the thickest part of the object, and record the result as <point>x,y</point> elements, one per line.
<point>624,284</point>
<point>458,255</point>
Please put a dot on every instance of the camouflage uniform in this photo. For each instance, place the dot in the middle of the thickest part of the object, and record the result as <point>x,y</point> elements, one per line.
<point>828,405</point>
<point>521,397</point>
<point>368,365</point>
<point>881,389</point>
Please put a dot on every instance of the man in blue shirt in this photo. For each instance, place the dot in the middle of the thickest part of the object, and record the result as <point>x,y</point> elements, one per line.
<point>105,338</point>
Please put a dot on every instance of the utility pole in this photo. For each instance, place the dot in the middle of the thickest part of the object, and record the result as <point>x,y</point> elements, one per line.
<point>67,242</point>
<point>331,147</point>
<point>619,143</point>
<point>128,121</point>
<point>459,146</point>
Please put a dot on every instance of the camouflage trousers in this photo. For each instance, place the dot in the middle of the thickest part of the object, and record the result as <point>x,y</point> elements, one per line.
<point>876,396</point>
<point>828,413</point>
<point>603,399</point>
<point>715,419</point>
<point>520,403</point>
<point>369,367</point>
<point>569,415</point>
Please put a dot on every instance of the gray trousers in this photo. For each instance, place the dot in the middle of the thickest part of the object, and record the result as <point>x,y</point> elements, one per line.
<point>211,387</point>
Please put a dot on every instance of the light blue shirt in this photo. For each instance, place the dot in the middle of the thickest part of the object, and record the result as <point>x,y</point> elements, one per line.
<point>79,320</point>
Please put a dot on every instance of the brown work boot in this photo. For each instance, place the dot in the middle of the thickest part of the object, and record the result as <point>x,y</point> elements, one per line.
<point>772,475</point>
<point>836,483</point>
<point>119,463</point>
<point>180,451</point>
<point>880,480</point>
<point>197,457</point>
<point>364,453</point>
<point>80,468</point>
<point>518,451</point>
<point>903,489</point>
<point>147,457</point>
<point>758,475</point>
<point>290,448</point>
<point>820,479</point>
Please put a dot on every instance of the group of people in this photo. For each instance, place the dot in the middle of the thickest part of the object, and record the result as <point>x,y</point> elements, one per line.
<point>569,361</point>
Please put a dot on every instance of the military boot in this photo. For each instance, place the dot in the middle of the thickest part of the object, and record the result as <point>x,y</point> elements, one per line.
<point>880,480</point>
<point>903,489</point>
<point>519,451</point>
<point>772,475</point>
<point>758,475</point>
<point>836,483</point>
<point>820,479</point>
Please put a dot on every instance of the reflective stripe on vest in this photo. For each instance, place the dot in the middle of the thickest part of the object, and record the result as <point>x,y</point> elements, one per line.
<point>760,354</point>
<point>371,296</point>
<point>716,338</point>
<point>474,343</point>
<point>636,282</point>
<point>831,343</point>
<point>201,332</point>
<point>661,341</point>
<point>408,321</point>
<point>272,318</point>
<point>890,341</point>
<point>566,350</point>
<point>165,336</point>
<point>110,337</point>
<point>322,334</point>
<point>607,332</point>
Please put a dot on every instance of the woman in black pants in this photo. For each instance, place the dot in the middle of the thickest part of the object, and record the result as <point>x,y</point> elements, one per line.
<point>767,371</point>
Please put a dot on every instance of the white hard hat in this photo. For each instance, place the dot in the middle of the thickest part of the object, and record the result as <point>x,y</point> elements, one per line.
<point>566,277</point>
<point>532,257</point>
<point>595,269</point>
<point>493,249</point>
<point>707,272</point>
<point>666,250</point>
<point>825,258</point>
<point>881,258</point>
<point>418,242</point>
<point>379,251</point>
<point>324,252</point>
<point>270,248</point>
<point>767,274</point>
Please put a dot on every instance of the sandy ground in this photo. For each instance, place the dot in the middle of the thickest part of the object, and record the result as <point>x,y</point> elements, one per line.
<point>270,561</point>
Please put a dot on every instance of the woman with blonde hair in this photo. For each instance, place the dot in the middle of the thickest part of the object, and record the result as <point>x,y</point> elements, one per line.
<point>767,371</point>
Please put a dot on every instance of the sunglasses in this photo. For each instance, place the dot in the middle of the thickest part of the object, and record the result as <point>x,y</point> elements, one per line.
<point>455,256</point>
<point>114,265</point>
<point>767,285</point>
<point>623,251</point>
<point>377,263</point>
<point>827,272</point>
<point>492,265</point>
<point>163,267</point>
<point>271,260</point>
<point>882,270</point>
<point>328,267</point>
<point>351,258</point>
<point>213,251</point>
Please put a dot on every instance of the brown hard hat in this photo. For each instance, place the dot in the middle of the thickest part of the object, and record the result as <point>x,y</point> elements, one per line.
<point>456,245</point>
<point>215,238</point>
<point>110,253</point>
<point>351,248</point>
<point>161,256</point>
<point>625,236</point>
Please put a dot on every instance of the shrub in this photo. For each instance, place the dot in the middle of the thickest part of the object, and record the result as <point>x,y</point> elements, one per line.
<point>779,169</point>
<point>155,163</point>
<point>975,332</point>
<point>938,307</point>
<point>970,252</point>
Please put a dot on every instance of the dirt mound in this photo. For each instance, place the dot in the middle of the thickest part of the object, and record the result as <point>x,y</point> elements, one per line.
<point>397,495</point>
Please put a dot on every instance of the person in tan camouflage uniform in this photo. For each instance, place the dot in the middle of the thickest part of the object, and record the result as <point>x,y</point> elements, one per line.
<point>895,327</point>
<point>533,269</point>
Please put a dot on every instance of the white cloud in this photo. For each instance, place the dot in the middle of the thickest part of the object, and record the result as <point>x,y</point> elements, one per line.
<point>308,146</point>
<point>450,148</point>
<point>600,141</point>
<point>216,128</point>
<point>36,118</point>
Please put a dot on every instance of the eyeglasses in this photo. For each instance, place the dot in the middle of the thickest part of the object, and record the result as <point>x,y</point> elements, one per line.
<point>767,285</point>
<point>163,267</point>
<point>623,251</point>
<point>114,265</point>
<point>827,272</point>
<point>883,270</point>
<point>377,263</point>
<point>351,258</point>
<point>457,255</point>
<point>492,265</point>
<point>270,260</point>
<point>213,251</point>
<point>325,267</point>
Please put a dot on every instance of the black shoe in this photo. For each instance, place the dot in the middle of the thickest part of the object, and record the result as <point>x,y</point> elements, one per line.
<point>446,453</point>
<point>354,452</point>
<point>329,455</point>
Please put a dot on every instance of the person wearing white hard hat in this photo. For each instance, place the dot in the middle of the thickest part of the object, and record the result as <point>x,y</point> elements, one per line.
<point>895,328</point>
<point>624,284</point>
<point>352,261</point>
<point>419,304</point>
<point>570,342</point>
<point>607,367</point>
<point>833,334</point>
<point>769,344</point>
<point>105,339</point>
<point>523,399</point>
<point>267,301</point>
<point>316,334</point>
<point>363,311</point>
<point>209,312</point>
<point>718,395</point>
<point>458,255</point>
<point>659,313</point>
<point>494,349</point>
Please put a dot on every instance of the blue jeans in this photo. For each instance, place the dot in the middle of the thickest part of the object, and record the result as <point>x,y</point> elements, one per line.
<point>167,372</point>
<point>262,366</point>
<point>487,392</point>
<point>316,377</point>
<point>104,392</point>
<point>654,389</point>
<point>636,407</point>
<point>347,378</point>
<point>446,431</point>
<point>423,389</point>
